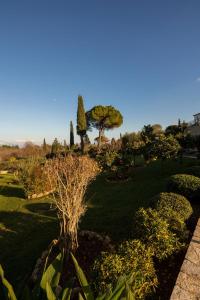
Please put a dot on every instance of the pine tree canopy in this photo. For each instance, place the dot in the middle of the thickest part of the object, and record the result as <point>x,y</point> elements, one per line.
<point>81,118</point>
<point>104,117</point>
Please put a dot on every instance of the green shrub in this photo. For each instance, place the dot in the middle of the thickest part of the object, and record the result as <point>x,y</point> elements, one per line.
<point>171,203</point>
<point>194,170</point>
<point>32,177</point>
<point>154,231</point>
<point>186,185</point>
<point>132,258</point>
<point>175,209</point>
<point>107,158</point>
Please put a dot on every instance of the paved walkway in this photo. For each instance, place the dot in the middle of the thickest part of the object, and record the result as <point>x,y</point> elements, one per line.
<point>187,285</point>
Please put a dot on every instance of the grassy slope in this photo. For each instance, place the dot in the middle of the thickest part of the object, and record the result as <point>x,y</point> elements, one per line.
<point>27,227</point>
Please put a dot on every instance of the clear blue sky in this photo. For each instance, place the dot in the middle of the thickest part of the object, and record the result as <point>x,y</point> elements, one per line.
<point>143,57</point>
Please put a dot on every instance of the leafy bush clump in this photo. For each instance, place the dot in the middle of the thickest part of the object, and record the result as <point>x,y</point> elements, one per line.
<point>32,177</point>
<point>171,203</point>
<point>194,170</point>
<point>175,209</point>
<point>186,185</point>
<point>107,158</point>
<point>132,258</point>
<point>154,231</point>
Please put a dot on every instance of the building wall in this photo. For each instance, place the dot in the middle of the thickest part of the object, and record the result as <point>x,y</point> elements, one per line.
<point>193,130</point>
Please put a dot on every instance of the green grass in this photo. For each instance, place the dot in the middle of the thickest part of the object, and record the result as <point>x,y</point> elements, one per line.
<point>27,227</point>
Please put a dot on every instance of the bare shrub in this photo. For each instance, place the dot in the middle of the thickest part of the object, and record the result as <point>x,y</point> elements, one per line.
<point>70,176</point>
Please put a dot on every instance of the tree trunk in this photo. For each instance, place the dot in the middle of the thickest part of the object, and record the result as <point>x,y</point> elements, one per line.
<point>82,144</point>
<point>100,135</point>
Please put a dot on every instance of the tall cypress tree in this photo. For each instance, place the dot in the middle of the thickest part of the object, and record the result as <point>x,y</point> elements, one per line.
<point>44,146</point>
<point>81,121</point>
<point>71,134</point>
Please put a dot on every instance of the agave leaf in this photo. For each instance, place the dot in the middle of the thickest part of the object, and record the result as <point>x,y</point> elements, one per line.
<point>82,280</point>
<point>102,297</point>
<point>50,293</point>
<point>80,297</point>
<point>8,289</point>
<point>52,273</point>
<point>129,294</point>
<point>119,289</point>
<point>66,294</point>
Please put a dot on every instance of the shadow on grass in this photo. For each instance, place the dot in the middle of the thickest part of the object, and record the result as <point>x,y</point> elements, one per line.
<point>46,209</point>
<point>23,237</point>
<point>11,191</point>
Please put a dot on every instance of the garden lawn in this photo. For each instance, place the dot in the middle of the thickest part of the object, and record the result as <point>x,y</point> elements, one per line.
<point>28,226</point>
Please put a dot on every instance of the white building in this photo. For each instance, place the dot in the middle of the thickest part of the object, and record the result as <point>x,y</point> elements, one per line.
<point>194,128</point>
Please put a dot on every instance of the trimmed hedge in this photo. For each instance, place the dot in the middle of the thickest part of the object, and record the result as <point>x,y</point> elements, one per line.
<point>186,185</point>
<point>168,203</point>
<point>154,231</point>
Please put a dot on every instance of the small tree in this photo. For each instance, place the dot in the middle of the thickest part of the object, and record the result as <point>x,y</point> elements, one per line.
<point>165,148</point>
<point>71,134</point>
<point>81,121</point>
<point>150,133</point>
<point>70,177</point>
<point>104,118</point>
<point>55,148</point>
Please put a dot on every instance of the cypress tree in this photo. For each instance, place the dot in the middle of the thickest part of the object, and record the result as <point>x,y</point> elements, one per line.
<point>71,134</point>
<point>81,121</point>
<point>44,146</point>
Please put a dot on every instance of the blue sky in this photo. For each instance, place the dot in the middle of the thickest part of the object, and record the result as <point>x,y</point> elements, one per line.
<point>143,57</point>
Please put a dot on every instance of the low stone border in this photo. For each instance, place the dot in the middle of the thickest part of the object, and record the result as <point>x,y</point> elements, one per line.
<point>35,196</point>
<point>3,172</point>
<point>187,286</point>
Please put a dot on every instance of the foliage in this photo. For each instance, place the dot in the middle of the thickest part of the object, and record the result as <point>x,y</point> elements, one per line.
<point>104,118</point>
<point>44,146</point>
<point>32,176</point>
<point>49,288</point>
<point>154,231</point>
<point>71,134</point>
<point>168,203</point>
<point>132,258</point>
<point>81,121</point>
<point>107,158</point>
<point>186,185</point>
<point>164,147</point>
<point>172,130</point>
<point>56,146</point>
<point>175,209</point>
<point>70,176</point>
<point>150,132</point>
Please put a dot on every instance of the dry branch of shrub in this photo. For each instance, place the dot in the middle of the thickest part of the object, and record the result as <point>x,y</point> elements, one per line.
<point>70,177</point>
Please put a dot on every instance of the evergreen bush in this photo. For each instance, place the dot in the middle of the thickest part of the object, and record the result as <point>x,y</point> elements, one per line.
<point>186,185</point>
<point>132,257</point>
<point>154,231</point>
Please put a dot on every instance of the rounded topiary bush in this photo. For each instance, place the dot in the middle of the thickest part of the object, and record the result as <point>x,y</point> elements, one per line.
<point>172,203</point>
<point>186,185</point>
<point>154,231</point>
<point>132,257</point>
<point>194,170</point>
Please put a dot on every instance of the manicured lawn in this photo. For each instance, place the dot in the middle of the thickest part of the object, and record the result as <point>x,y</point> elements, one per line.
<point>27,227</point>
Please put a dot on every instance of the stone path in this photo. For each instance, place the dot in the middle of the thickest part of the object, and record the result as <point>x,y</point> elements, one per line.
<point>187,285</point>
